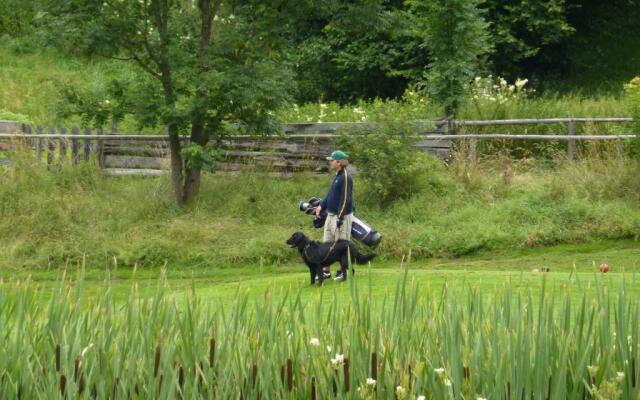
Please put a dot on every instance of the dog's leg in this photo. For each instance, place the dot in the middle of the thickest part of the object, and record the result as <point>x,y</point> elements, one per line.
<point>313,275</point>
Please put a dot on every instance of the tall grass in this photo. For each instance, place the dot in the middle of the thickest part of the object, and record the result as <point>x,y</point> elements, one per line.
<point>450,343</point>
<point>51,217</point>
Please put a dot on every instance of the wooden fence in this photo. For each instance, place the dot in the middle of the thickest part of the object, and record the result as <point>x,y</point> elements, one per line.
<point>300,147</point>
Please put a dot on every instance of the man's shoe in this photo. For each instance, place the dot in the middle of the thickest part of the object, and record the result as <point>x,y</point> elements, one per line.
<point>325,275</point>
<point>340,277</point>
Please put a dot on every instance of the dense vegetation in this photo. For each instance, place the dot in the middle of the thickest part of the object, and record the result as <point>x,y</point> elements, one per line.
<point>346,51</point>
<point>417,342</point>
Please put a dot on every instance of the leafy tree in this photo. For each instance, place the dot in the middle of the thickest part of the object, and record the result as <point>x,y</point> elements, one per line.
<point>528,36</point>
<point>456,36</point>
<point>344,51</point>
<point>203,65</point>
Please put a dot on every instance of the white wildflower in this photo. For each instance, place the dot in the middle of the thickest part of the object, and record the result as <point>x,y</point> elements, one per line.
<point>314,342</point>
<point>329,349</point>
<point>371,382</point>
<point>447,382</point>
<point>521,82</point>
<point>86,349</point>
<point>400,392</point>
<point>619,376</point>
<point>338,360</point>
<point>421,397</point>
<point>439,371</point>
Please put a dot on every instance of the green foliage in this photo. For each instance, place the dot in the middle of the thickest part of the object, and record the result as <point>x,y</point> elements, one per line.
<point>455,33</point>
<point>391,166</point>
<point>342,48</point>
<point>202,157</point>
<point>10,116</point>
<point>632,91</point>
<point>236,78</point>
<point>526,36</point>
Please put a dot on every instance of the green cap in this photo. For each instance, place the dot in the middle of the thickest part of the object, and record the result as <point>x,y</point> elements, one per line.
<point>338,155</point>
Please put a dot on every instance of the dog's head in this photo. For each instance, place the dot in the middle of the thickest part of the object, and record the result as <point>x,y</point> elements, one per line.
<point>297,239</point>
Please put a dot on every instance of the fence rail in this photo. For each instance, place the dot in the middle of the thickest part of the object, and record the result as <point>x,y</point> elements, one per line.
<point>300,147</point>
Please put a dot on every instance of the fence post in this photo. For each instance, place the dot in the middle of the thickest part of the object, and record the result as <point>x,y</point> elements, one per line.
<point>87,145</point>
<point>571,144</point>
<point>100,150</point>
<point>74,147</point>
<point>473,143</point>
<point>619,151</point>
<point>51,147</point>
<point>29,141</point>
<point>63,145</point>
<point>39,131</point>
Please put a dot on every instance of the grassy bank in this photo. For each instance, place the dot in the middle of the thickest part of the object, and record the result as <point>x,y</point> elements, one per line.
<point>58,217</point>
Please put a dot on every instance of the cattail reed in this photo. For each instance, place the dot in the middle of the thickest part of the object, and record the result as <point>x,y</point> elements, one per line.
<point>156,364</point>
<point>289,374</point>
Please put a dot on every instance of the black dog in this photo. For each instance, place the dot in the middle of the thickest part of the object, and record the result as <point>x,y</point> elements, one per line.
<point>318,255</point>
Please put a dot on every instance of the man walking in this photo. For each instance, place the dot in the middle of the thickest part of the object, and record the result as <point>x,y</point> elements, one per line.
<point>339,204</point>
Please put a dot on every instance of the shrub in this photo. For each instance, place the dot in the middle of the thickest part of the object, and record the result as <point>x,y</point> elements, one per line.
<point>389,163</point>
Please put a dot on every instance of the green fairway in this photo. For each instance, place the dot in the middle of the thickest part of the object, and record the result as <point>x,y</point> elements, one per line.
<point>570,266</point>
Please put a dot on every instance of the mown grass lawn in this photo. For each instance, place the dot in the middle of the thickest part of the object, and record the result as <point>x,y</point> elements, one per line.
<point>571,267</point>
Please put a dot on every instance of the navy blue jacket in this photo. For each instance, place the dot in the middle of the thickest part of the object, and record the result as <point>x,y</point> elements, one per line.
<point>334,202</point>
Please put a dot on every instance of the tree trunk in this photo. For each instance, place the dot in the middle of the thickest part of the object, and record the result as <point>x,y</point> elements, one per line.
<point>193,174</point>
<point>198,134</point>
<point>175,150</point>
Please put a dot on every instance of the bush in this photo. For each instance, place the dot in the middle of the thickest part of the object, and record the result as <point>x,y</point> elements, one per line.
<point>632,91</point>
<point>391,166</point>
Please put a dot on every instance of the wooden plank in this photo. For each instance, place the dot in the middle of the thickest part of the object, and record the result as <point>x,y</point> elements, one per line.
<point>534,121</point>
<point>136,151</point>
<point>112,161</point>
<point>134,172</point>
<point>10,127</point>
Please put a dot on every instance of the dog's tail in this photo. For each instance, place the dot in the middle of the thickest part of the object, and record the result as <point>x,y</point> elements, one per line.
<point>364,258</point>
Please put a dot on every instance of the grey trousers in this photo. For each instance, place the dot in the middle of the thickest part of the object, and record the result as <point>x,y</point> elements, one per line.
<point>331,230</point>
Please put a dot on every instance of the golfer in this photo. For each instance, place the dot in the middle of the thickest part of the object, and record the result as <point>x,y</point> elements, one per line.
<point>339,204</point>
